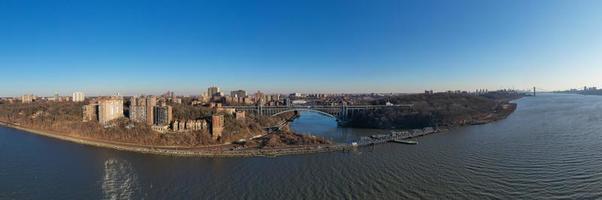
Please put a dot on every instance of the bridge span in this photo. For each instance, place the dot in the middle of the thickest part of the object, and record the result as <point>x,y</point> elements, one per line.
<point>340,113</point>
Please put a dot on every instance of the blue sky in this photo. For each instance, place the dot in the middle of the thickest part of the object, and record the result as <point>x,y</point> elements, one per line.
<point>134,47</point>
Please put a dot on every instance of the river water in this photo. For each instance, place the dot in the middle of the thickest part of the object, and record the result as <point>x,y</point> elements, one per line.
<point>550,148</point>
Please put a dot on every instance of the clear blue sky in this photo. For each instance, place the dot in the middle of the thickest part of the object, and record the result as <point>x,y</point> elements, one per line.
<point>132,47</point>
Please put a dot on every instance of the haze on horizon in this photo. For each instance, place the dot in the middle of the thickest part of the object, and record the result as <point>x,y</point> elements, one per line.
<point>103,47</point>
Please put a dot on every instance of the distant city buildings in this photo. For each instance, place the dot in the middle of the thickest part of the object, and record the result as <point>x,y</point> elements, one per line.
<point>78,97</point>
<point>238,93</point>
<point>259,96</point>
<point>585,88</point>
<point>28,98</point>
<point>214,91</point>
<point>9,100</point>
<point>56,97</point>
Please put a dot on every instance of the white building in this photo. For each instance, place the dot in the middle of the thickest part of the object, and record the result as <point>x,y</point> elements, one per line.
<point>28,98</point>
<point>78,97</point>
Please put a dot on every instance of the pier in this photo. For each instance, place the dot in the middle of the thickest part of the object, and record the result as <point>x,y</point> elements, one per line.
<point>395,136</point>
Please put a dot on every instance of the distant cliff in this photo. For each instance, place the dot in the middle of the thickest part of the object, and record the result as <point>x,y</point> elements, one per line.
<point>437,110</point>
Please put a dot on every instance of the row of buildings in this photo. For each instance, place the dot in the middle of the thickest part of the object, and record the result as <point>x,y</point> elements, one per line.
<point>241,97</point>
<point>151,111</point>
<point>76,97</point>
<point>141,110</point>
<point>213,94</point>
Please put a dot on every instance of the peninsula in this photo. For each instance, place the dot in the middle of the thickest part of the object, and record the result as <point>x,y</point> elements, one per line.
<point>214,124</point>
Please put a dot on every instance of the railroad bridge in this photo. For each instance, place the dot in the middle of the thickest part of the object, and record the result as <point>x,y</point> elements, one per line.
<point>340,113</point>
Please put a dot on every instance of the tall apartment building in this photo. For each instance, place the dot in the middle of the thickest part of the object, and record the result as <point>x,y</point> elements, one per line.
<point>138,113</point>
<point>151,102</point>
<point>90,112</point>
<point>217,126</point>
<point>141,101</point>
<point>78,97</point>
<point>133,101</point>
<point>259,96</point>
<point>28,98</point>
<point>163,115</point>
<point>238,93</point>
<point>110,109</point>
<point>213,91</point>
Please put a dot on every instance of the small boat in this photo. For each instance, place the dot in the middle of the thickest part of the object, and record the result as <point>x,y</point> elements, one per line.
<point>412,142</point>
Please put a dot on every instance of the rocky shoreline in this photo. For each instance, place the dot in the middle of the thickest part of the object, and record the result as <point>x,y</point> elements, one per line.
<point>186,151</point>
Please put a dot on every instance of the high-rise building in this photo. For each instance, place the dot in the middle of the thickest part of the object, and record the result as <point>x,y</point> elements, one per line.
<point>151,102</point>
<point>28,98</point>
<point>133,101</point>
<point>163,115</point>
<point>78,97</point>
<point>141,101</point>
<point>213,91</point>
<point>217,126</point>
<point>258,95</point>
<point>90,112</point>
<point>138,113</point>
<point>56,97</point>
<point>238,93</point>
<point>110,109</point>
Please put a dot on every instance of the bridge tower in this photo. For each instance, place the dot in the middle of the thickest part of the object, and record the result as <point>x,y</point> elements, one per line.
<point>534,91</point>
<point>343,112</point>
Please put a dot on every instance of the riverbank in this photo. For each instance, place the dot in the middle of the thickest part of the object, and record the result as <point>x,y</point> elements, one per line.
<point>231,150</point>
<point>205,151</point>
<point>437,110</point>
<point>277,144</point>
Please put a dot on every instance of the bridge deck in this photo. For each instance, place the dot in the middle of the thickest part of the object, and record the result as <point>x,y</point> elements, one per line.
<point>340,112</point>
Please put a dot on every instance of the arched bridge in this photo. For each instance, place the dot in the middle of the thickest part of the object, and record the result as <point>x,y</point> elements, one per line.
<point>341,113</point>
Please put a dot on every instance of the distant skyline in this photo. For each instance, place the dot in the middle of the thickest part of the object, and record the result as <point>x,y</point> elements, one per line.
<point>307,46</point>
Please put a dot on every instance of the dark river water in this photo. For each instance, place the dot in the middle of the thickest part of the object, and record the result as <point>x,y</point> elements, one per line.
<point>550,148</point>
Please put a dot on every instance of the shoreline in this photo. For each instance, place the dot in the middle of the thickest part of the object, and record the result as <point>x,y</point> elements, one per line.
<point>190,151</point>
<point>205,151</point>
